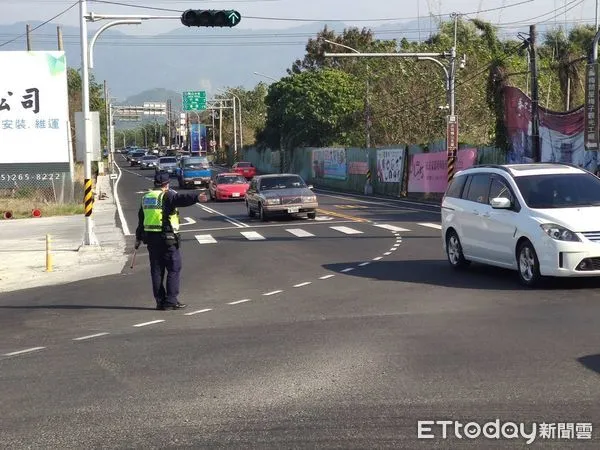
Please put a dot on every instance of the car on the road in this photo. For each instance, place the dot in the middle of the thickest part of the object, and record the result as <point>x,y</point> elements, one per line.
<point>193,171</point>
<point>148,162</point>
<point>136,156</point>
<point>540,219</point>
<point>244,169</point>
<point>280,195</point>
<point>228,186</point>
<point>167,164</point>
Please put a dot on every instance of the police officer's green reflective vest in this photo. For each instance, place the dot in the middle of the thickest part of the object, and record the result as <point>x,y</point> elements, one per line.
<point>152,205</point>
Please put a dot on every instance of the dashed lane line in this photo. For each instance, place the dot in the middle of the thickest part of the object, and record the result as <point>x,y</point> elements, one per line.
<point>378,258</point>
<point>364,264</point>
<point>272,292</point>
<point>91,336</point>
<point>143,324</point>
<point>348,269</point>
<point>387,226</point>
<point>193,313</point>
<point>326,277</point>
<point>27,350</point>
<point>237,302</point>
<point>306,283</point>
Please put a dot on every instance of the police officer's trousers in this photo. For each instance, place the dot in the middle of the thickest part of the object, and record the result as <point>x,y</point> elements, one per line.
<point>164,258</point>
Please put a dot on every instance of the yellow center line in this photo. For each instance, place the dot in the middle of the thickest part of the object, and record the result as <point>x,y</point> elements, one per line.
<point>343,216</point>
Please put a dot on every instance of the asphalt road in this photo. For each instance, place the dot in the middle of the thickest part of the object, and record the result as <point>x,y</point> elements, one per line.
<point>341,335</point>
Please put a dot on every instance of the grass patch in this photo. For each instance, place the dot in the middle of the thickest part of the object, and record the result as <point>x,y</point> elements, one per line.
<point>22,207</point>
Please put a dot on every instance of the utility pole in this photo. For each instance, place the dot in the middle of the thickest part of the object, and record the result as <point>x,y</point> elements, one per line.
<point>107,113</point>
<point>169,120</point>
<point>220,125</point>
<point>59,36</point>
<point>28,34</point>
<point>535,132</point>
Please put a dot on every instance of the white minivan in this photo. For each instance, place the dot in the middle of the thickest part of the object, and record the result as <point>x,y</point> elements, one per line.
<point>539,219</point>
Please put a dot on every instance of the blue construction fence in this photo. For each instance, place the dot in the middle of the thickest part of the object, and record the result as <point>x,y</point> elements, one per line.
<point>390,171</point>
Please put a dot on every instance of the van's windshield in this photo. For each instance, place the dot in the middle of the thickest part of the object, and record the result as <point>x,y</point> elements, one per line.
<point>560,190</point>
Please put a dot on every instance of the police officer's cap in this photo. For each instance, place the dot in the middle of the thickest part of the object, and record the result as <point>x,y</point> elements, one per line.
<point>161,178</point>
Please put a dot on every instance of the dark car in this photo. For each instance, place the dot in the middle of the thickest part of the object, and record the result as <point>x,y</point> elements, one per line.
<point>135,157</point>
<point>280,194</point>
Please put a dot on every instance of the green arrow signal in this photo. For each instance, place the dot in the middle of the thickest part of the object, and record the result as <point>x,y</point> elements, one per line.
<point>233,16</point>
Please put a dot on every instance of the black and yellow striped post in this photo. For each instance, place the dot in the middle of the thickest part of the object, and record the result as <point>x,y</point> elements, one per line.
<point>369,176</point>
<point>88,198</point>
<point>451,164</point>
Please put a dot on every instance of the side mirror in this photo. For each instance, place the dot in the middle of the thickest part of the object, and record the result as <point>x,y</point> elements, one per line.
<point>500,203</point>
<point>310,186</point>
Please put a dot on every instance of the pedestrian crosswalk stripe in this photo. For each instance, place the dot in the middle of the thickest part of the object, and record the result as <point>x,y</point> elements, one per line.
<point>437,226</point>
<point>205,239</point>
<point>299,232</point>
<point>391,227</point>
<point>346,230</point>
<point>253,235</point>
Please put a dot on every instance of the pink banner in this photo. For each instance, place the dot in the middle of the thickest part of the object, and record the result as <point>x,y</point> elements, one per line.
<point>429,171</point>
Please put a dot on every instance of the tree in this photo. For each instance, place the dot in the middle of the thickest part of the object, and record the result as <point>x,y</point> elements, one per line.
<point>314,108</point>
<point>96,101</point>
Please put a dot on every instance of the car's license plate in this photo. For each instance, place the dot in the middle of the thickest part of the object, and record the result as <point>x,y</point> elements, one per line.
<point>197,182</point>
<point>293,210</point>
<point>235,194</point>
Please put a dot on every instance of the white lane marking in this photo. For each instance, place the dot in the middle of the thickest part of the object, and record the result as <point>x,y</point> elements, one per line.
<point>225,216</point>
<point>233,223</point>
<point>395,245</point>
<point>126,231</point>
<point>364,264</point>
<point>274,225</point>
<point>91,336</point>
<point>393,249</point>
<point>188,221</point>
<point>387,253</point>
<point>349,269</point>
<point>384,202</point>
<point>299,232</point>
<point>198,312</point>
<point>378,258</point>
<point>346,230</point>
<point>325,277</point>
<point>324,218</point>
<point>27,350</point>
<point>272,292</point>
<point>253,236</point>
<point>431,225</point>
<point>306,283</point>
<point>148,323</point>
<point>205,239</point>
<point>391,227</point>
<point>239,301</point>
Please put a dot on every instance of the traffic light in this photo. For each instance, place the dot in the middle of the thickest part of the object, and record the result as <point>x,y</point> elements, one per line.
<point>210,18</point>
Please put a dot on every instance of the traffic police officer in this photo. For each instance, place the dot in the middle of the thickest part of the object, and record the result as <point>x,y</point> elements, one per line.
<point>158,226</point>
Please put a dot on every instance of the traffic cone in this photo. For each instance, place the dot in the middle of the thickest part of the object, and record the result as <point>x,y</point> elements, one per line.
<point>36,213</point>
<point>8,214</point>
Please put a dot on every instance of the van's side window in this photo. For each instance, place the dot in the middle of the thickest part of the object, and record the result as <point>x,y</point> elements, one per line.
<point>456,186</point>
<point>479,188</point>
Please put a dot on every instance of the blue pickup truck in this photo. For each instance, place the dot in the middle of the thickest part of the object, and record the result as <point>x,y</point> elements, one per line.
<point>193,171</point>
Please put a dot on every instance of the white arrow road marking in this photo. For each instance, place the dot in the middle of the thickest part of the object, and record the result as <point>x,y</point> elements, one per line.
<point>188,221</point>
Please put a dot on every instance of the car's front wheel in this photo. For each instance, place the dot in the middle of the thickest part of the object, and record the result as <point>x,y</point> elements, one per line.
<point>528,265</point>
<point>261,213</point>
<point>251,212</point>
<point>454,251</point>
<point>312,215</point>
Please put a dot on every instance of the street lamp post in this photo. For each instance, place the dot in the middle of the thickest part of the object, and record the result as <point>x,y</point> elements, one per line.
<point>367,100</point>
<point>239,102</point>
<point>266,76</point>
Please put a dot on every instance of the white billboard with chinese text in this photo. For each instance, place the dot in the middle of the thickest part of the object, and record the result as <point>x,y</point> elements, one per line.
<point>34,110</point>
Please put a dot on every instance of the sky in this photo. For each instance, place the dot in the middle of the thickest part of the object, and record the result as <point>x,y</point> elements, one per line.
<point>270,14</point>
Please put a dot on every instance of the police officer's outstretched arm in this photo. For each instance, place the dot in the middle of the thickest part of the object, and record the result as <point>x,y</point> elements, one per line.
<point>183,199</point>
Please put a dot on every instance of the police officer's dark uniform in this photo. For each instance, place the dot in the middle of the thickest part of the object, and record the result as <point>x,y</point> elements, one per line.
<point>158,228</point>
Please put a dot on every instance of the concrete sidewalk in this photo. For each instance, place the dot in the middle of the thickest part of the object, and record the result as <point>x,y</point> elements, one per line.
<point>23,246</point>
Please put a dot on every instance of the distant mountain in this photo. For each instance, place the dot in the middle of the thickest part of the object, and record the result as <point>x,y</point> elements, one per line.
<point>158,95</point>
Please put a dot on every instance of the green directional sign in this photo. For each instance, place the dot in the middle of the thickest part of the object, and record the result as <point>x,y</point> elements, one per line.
<point>194,101</point>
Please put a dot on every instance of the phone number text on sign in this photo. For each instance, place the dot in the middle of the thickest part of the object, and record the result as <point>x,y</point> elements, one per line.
<point>30,177</point>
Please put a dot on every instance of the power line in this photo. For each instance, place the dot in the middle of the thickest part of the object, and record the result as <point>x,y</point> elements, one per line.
<point>42,24</point>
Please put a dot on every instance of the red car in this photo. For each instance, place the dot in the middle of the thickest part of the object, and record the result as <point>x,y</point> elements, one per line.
<point>228,186</point>
<point>245,169</point>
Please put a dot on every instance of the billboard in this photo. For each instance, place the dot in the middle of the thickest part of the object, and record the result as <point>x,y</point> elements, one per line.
<point>428,172</point>
<point>34,113</point>
<point>390,165</point>
<point>198,138</point>
<point>329,163</point>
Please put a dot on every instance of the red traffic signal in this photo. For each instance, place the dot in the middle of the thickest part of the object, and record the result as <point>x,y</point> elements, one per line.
<point>210,18</point>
